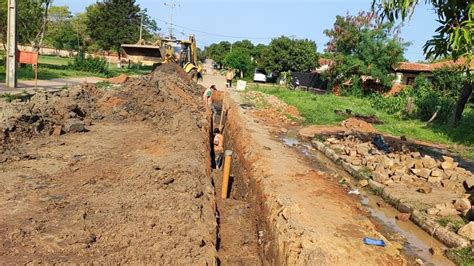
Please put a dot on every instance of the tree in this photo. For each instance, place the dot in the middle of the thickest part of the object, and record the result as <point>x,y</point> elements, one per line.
<point>61,33</point>
<point>454,37</point>
<point>285,54</point>
<point>114,22</point>
<point>361,47</point>
<point>239,59</point>
<point>218,51</point>
<point>245,45</point>
<point>32,21</point>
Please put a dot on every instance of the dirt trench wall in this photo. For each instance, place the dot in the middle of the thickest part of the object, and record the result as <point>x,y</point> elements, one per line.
<point>274,249</point>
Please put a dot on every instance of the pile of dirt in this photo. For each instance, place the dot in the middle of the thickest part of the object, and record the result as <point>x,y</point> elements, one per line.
<point>271,109</point>
<point>133,187</point>
<point>358,125</point>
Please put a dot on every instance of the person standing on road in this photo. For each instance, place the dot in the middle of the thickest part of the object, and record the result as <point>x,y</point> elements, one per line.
<point>229,77</point>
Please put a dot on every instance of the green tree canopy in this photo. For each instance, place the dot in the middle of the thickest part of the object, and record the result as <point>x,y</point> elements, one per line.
<point>115,22</point>
<point>218,51</point>
<point>361,47</point>
<point>31,19</point>
<point>454,37</point>
<point>239,59</point>
<point>60,33</point>
<point>285,54</point>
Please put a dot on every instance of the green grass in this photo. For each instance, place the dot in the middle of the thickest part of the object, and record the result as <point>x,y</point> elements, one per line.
<point>319,109</point>
<point>52,67</point>
<point>461,256</point>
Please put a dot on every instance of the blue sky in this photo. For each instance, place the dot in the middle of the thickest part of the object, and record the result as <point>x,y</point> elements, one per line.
<point>260,20</point>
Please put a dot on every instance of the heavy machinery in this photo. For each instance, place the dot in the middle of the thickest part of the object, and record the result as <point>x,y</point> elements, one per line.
<point>182,52</point>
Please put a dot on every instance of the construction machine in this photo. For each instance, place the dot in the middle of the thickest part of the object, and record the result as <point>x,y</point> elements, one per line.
<point>182,52</point>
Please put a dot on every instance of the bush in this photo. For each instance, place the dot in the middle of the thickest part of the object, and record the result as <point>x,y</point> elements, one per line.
<point>89,64</point>
<point>429,99</point>
<point>426,97</point>
<point>393,104</point>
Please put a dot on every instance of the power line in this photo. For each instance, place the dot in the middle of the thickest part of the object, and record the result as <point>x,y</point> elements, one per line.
<point>217,34</point>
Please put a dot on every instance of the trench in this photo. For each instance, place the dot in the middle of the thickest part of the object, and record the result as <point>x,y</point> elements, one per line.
<point>238,234</point>
<point>416,243</point>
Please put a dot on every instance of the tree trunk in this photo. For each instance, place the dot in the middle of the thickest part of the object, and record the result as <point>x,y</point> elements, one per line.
<point>40,36</point>
<point>463,98</point>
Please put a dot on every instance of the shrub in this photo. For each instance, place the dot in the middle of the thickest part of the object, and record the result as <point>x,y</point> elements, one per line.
<point>429,99</point>
<point>89,64</point>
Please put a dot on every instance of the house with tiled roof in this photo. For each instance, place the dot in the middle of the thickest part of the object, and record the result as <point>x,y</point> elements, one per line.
<point>406,72</point>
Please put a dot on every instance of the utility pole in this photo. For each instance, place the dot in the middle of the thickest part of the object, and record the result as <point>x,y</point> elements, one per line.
<point>141,29</point>
<point>172,5</point>
<point>11,81</point>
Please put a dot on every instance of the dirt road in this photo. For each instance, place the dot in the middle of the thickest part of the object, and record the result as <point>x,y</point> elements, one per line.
<point>133,188</point>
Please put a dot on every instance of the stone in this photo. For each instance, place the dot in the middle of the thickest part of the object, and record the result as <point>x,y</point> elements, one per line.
<point>419,262</point>
<point>363,149</point>
<point>415,155</point>
<point>74,125</point>
<point>469,182</point>
<point>432,211</point>
<point>406,179</point>
<point>418,164</point>
<point>424,173</point>
<point>363,183</point>
<point>429,162</point>
<point>409,163</point>
<point>57,130</point>
<point>379,176</point>
<point>462,205</point>
<point>448,184</point>
<point>448,212</point>
<point>447,159</point>
<point>437,173</point>
<point>435,251</point>
<point>403,217</point>
<point>353,153</point>
<point>447,165</point>
<point>434,180</point>
<point>425,189</point>
<point>397,178</point>
<point>467,231</point>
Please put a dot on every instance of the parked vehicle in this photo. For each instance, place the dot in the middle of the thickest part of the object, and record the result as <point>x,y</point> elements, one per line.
<point>260,76</point>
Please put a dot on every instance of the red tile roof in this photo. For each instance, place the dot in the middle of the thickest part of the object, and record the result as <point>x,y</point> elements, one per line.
<point>407,66</point>
<point>419,67</point>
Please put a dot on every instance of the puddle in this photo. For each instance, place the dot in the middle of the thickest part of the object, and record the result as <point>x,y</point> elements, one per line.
<point>418,242</point>
<point>292,142</point>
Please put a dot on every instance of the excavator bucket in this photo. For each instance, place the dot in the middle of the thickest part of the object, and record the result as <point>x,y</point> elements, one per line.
<point>143,53</point>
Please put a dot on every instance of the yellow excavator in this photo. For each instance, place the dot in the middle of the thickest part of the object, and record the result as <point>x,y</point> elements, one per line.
<point>182,52</point>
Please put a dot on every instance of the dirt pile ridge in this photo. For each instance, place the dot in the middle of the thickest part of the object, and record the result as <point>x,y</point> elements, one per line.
<point>134,187</point>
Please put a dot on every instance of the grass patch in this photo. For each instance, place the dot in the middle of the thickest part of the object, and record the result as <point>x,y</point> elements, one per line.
<point>453,223</point>
<point>319,109</point>
<point>52,67</point>
<point>461,256</point>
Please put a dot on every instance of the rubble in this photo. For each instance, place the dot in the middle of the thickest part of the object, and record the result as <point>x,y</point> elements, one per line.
<point>401,165</point>
<point>467,231</point>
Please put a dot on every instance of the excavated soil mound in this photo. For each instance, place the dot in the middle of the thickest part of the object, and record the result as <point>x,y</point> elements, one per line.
<point>132,187</point>
<point>358,125</point>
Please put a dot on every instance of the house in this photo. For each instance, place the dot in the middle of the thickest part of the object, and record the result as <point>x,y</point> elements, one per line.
<point>406,72</point>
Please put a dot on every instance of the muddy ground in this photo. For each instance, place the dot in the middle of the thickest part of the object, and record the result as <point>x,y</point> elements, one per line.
<point>132,186</point>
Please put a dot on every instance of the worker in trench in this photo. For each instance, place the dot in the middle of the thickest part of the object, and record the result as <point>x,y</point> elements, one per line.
<point>207,99</point>
<point>218,147</point>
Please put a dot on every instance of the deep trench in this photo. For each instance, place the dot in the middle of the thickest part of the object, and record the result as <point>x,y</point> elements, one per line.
<point>237,217</point>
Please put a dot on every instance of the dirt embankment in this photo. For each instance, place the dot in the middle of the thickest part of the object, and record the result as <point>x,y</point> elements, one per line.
<point>301,216</point>
<point>132,187</point>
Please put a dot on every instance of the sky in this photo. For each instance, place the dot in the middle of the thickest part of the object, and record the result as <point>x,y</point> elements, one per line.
<point>260,20</point>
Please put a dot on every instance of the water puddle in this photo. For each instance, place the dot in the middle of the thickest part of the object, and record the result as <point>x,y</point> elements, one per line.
<point>417,242</point>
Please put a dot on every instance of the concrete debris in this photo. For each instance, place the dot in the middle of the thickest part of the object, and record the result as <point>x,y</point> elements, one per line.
<point>401,165</point>
<point>467,231</point>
